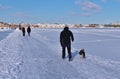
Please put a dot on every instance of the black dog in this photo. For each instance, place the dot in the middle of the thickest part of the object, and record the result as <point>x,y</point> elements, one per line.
<point>82,53</point>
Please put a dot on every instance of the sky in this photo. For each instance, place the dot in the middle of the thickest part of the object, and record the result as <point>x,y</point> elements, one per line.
<point>60,11</point>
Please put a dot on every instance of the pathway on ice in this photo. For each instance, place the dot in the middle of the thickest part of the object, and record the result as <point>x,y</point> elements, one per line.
<point>39,57</point>
<point>41,62</point>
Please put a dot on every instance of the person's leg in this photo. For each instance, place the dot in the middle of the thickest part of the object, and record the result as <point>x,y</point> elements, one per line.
<point>23,34</point>
<point>28,34</point>
<point>69,52</point>
<point>63,52</point>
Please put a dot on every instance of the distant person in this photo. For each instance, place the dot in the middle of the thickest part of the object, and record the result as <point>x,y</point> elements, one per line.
<point>28,30</point>
<point>66,36</point>
<point>23,31</point>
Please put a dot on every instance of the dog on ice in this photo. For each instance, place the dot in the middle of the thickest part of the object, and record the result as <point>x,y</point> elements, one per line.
<point>82,53</point>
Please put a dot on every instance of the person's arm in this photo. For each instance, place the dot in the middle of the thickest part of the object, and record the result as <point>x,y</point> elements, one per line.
<point>72,37</point>
<point>61,39</point>
<point>30,29</point>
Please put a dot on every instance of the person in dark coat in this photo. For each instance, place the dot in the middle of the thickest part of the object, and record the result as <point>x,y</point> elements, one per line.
<point>28,30</point>
<point>66,36</point>
<point>23,31</point>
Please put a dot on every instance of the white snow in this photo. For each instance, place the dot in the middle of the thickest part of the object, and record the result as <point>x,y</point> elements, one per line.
<point>39,56</point>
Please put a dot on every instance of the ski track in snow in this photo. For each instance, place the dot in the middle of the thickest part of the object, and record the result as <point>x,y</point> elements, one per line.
<point>36,57</point>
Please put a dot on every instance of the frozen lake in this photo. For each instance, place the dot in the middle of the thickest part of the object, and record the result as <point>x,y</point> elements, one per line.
<point>4,33</point>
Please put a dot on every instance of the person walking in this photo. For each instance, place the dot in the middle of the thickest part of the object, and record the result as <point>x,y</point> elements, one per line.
<point>23,31</point>
<point>28,30</point>
<point>66,36</point>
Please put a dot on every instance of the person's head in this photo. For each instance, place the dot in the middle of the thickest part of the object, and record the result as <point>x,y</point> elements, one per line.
<point>23,27</point>
<point>28,25</point>
<point>66,28</point>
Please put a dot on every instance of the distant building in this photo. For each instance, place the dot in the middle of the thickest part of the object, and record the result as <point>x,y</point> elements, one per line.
<point>93,25</point>
<point>1,24</point>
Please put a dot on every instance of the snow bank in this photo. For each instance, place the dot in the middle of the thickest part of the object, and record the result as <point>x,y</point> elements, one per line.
<point>10,57</point>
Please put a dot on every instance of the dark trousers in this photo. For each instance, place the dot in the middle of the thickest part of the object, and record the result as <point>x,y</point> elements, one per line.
<point>28,34</point>
<point>23,34</point>
<point>68,49</point>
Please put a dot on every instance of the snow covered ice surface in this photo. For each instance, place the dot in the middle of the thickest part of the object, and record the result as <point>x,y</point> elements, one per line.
<point>39,56</point>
